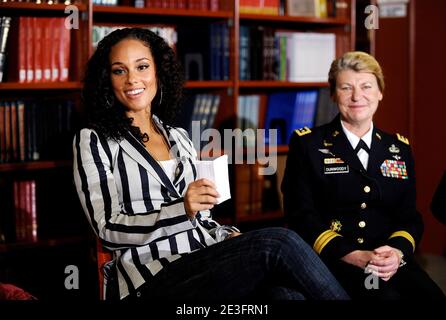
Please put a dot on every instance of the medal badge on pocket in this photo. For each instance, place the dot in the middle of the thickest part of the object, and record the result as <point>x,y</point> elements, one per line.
<point>394,169</point>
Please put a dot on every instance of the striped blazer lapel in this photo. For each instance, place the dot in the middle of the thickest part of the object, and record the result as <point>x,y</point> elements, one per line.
<point>139,153</point>
<point>179,145</point>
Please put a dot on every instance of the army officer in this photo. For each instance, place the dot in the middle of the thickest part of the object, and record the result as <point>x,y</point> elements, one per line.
<point>349,191</point>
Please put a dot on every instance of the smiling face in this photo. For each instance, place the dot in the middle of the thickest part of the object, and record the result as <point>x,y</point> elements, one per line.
<point>133,75</point>
<point>357,95</point>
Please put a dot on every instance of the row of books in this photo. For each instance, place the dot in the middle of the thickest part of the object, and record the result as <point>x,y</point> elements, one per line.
<point>50,2</point>
<point>167,32</point>
<point>256,193</point>
<point>200,109</point>
<point>204,51</point>
<point>38,50</point>
<point>28,210</point>
<point>209,5</point>
<point>32,130</point>
<point>285,112</point>
<point>25,214</point>
<point>287,56</point>
<point>301,8</point>
<point>258,53</point>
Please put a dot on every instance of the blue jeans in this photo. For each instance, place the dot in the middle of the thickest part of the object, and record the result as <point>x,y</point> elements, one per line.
<point>268,264</point>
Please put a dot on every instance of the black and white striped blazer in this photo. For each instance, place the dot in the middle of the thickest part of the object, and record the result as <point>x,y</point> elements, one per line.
<point>133,207</point>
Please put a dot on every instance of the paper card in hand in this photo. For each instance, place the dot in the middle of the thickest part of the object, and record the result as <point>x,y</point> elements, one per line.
<point>217,171</point>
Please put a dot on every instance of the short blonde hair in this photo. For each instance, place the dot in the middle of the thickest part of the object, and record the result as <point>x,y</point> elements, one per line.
<point>357,61</point>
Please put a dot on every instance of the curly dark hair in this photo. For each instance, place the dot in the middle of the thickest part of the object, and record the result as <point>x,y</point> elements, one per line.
<point>104,112</point>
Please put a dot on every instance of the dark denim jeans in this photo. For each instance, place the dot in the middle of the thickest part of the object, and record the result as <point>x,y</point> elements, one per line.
<point>266,264</point>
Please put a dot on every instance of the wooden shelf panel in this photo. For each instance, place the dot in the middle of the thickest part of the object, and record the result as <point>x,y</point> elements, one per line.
<point>11,247</point>
<point>71,85</point>
<point>303,20</point>
<point>162,12</point>
<point>208,84</point>
<point>282,149</point>
<point>38,7</point>
<point>35,165</point>
<point>281,84</point>
<point>260,217</point>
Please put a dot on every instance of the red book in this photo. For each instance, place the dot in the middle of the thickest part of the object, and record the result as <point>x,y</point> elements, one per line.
<point>37,45</point>
<point>214,5</point>
<point>46,54</point>
<point>32,214</point>
<point>181,4</point>
<point>55,40</point>
<point>29,49</point>
<point>64,50</point>
<point>17,210</point>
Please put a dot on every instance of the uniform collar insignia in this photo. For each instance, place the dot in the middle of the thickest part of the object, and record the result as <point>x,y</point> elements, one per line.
<point>335,133</point>
<point>327,144</point>
<point>378,135</point>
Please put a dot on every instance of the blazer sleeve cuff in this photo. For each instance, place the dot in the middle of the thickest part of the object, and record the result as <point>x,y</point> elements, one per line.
<point>331,245</point>
<point>402,240</point>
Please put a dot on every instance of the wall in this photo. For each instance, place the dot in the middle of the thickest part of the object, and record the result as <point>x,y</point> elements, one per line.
<point>430,113</point>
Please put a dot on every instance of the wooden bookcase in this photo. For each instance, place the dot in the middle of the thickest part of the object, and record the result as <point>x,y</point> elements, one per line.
<point>228,90</point>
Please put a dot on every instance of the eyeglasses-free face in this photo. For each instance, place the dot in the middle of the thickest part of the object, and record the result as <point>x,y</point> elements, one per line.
<point>133,75</point>
<point>357,95</point>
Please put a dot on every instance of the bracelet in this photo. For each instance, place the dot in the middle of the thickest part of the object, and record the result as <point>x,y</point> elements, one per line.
<point>223,232</point>
<point>401,255</point>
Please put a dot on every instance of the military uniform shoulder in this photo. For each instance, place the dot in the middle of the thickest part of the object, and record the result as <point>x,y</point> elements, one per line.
<point>396,137</point>
<point>307,136</point>
<point>402,138</point>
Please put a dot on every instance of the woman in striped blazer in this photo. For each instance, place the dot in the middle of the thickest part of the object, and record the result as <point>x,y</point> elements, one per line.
<point>135,177</point>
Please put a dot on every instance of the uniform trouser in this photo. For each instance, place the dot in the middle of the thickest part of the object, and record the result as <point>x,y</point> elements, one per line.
<point>269,264</point>
<point>410,282</point>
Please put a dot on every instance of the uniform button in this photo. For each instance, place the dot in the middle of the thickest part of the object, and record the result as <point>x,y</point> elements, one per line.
<point>366,189</point>
<point>138,294</point>
<point>360,240</point>
<point>363,205</point>
<point>361,224</point>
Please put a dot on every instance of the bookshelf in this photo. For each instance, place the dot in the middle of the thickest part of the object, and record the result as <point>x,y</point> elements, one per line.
<point>227,85</point>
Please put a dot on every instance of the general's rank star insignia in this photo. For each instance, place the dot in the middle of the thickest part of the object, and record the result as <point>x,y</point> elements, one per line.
<point>335,225</point>
<point>303,131</point>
